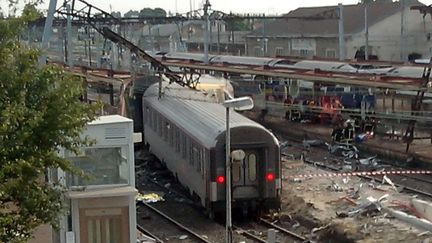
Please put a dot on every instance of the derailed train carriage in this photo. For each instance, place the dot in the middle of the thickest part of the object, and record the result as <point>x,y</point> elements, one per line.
<point>185,129</point>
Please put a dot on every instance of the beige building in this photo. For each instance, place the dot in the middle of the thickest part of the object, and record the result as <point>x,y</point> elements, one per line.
<point>301,35</point>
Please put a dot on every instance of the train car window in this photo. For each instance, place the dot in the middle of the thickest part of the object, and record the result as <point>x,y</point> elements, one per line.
<point>149,117</point>
<point>171,134</point>
<point>159,124</point>
<point>236,170</point>
<point>203,161</point>
<point>166,130</point>
<point>184,145</point>
<point>177,140</point>
<point>252,163</point>
<point>146,115</point>
<point>197,158</point>
<point>154,123</point>
<point>191,153</point>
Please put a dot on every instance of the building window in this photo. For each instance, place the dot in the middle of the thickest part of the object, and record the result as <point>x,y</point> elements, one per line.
<point>104,166</point>
<point>331,53</point>
<point>304,52</point>
<point>279,51</point>
<point>257,51</point>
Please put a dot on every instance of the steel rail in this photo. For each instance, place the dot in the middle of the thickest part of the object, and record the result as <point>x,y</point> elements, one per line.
<point>416,178</point>
<point>249,235</point>
<point>288,232</point>
<point>197,236</point>
<point>148,233</point>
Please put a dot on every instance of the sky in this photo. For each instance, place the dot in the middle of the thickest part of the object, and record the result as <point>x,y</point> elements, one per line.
<point>183,6</point>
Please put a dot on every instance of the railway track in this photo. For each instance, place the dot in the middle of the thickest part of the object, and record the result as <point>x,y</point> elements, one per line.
<point>283,230</point>
<point>197,237</point>
<point>145,232</point>
<point>419,184</point>
<point>284,235</point>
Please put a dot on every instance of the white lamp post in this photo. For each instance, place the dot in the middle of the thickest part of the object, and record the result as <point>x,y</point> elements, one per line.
<point>240,104</point>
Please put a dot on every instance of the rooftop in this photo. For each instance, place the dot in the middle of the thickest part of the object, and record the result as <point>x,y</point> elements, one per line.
<point>299,25</point>
<point>109,119</point>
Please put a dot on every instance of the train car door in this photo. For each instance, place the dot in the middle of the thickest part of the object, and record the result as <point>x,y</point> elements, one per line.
<point>245,175</point>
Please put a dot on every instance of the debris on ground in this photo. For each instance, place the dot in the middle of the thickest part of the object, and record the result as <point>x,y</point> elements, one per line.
<point>307,144</point>
<point>149,198</point>
<point>183,237</point>
<point>423,208</point>
<point>388,181</point>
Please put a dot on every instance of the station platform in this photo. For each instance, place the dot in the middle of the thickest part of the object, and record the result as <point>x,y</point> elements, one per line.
<point>419,154</point>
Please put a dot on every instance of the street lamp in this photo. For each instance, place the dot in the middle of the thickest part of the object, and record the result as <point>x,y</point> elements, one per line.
<point>239,104</point>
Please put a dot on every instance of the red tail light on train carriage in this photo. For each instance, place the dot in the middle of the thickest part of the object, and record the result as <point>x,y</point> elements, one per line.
<point>221,179</point>
<point>270,177</point>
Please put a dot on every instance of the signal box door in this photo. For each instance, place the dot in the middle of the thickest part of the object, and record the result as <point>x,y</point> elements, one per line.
<point>245,175</point>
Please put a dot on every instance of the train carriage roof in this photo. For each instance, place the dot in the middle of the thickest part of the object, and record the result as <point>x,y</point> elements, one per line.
<point>197,57</point>
<point>255,61</point>
<point>204,120</point>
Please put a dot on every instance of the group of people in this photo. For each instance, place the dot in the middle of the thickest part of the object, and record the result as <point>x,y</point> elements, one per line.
<point>353,130</point>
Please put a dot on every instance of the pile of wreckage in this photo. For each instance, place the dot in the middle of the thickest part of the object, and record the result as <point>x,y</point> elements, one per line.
<point>416,212</point>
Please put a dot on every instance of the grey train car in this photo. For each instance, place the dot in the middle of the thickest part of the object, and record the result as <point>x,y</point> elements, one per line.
<point>185,129</point>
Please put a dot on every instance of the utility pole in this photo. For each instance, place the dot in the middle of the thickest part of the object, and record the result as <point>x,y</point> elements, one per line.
<point>47,31</point>
<point>206,34</point>
<point>218,36</point>
<point>69,53</point>
<point>264,51</point>
<point>228,223</point>
<point>341,33</point>
<point>366,50</point>
<point>402,39</point>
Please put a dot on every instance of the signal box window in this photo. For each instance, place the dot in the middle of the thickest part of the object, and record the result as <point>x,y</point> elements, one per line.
<point>104,166</point>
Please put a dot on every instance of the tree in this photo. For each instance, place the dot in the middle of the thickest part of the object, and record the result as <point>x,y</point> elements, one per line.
<point>150,13</point>
<point>146,13</point>
<point>116,14</point>
<point>159,12</point>
<point>40,112</point>
<point>237,25</point>
<point>131,13</point>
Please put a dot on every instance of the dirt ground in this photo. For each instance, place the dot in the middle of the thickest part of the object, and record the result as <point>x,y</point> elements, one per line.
<point>319,201</point>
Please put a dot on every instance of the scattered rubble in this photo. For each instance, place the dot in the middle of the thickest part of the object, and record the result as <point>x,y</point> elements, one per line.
<point>149,198</point>
<point>362,211</point>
